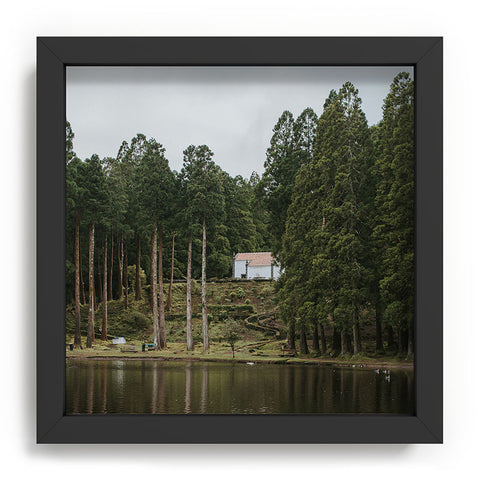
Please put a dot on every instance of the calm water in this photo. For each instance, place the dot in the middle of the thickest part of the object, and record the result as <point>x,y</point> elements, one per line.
<point>149,386</point>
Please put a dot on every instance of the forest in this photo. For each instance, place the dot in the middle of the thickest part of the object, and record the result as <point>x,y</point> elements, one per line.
<point>335,204</point>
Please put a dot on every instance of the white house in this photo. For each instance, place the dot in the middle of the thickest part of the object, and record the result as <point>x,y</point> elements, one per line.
<point>255,265</point>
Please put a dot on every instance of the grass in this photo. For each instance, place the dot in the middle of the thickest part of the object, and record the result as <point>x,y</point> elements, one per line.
<point>246,351</point>
<point>248,300</point>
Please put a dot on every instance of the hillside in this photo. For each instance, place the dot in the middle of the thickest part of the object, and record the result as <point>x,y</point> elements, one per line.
<point>250,303</point>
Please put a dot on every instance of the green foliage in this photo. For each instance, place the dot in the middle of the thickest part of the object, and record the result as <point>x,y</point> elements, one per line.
<point>394,231</point>
<point>336,203</point>
<point>240,293</point>
<point>349,226</point>
<point>231,334</point>
<point>202,186</point>
<point>291,147</point>
<point>325,240</point>
<point>139,320</point>
<point>154,187</point>
<point>132,277</point>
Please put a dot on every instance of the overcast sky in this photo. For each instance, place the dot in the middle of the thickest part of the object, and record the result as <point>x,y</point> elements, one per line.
<point>231,109</point>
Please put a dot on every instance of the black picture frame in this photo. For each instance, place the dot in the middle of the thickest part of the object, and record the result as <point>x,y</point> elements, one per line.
<point>54,54</point>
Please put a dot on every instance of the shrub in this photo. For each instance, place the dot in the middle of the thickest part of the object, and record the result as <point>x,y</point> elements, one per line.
<point>231,334</point>
<point>139,320</point>
<point>240,293</point>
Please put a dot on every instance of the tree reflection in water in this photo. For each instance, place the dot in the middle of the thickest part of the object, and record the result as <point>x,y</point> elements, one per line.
<point>159,387</point>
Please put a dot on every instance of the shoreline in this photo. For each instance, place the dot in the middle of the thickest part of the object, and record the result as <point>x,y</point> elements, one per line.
<point>324,362</point>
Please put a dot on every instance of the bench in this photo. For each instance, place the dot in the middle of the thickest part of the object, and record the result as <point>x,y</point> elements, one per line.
<point>148,347</point>
<point>128,348</point>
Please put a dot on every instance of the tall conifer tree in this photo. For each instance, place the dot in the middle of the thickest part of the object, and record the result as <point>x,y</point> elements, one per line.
<point>95,203</point>
<point>154,190</point>
<point>395,202</point>
<point>204,205</point>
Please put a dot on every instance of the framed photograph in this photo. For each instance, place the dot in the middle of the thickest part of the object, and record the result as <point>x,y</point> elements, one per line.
<point>239,240</point>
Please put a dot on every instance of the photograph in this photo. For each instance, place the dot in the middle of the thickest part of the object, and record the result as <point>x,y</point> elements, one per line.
<point>240,240</point>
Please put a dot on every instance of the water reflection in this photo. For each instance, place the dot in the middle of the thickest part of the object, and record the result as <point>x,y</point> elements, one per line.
<point>204,397</point>
<point>156,387</point>
<point>188,388</point>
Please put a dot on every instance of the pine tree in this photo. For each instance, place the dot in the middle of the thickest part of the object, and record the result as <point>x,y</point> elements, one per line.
<point>304,300</point>
<point>263,236</point>
<point>395,203</point>
<point>154,189</point>
<point>74,194</point>
<point>277,180</point>
<point>95,203</point>
<point>204,205</point>
<point>291,146</point>
<point>344,145</point>
<point>325,244</point>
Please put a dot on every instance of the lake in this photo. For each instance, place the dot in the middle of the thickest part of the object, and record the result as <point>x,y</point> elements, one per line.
<point>159,387</point>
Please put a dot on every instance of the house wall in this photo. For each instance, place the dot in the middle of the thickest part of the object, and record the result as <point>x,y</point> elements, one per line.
<point>239,267</point>
<point>257,271</point>
<point>262,271</point>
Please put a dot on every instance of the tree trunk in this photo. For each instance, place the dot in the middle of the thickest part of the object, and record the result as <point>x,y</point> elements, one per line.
<point>162,327</point>
<point>105,291</point>
<point>189,294</point>
<point>391,338</point>
<point>95,306</point>
<point>323,339</point>
<point>94,290</point>
<point>402,341</point>
<point>120,268</point>
<point>303,341</point>
<point>410,341</point>
<point>405,339</point>
<point>357,345</point>
<point>110,274</point>
<point>99,283</point>
<point>399,342</point>
<point>291,335</point>
<point>138,285</point>
<point>169,299</point>
<point>206,344</point>
<point>336,341</point>
<point>378,326</point>
<point>91,288</point>
<point>153,286</point>
<point>315,338</point>
<point>77,343</point>
<point>344,341</point>
<point>126,277</point>
<point>81,275</point>
<point>349,342</point>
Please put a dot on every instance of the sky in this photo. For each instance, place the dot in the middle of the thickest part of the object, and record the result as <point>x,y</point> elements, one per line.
<point>231,109</point>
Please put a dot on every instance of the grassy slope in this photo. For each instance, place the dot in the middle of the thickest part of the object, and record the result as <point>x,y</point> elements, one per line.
<point>239,300</point>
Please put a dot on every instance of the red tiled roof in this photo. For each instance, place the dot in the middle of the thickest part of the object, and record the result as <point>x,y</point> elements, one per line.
<point>256,258</point>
